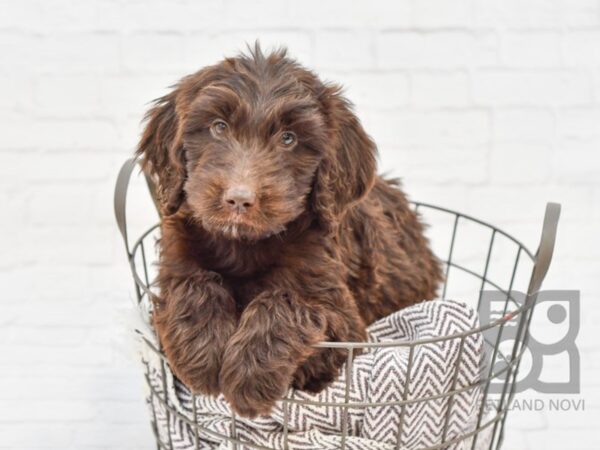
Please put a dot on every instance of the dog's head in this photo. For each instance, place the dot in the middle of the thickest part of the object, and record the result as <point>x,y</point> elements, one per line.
<point>250,144</point>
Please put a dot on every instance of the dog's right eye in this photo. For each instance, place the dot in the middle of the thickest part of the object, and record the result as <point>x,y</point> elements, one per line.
<point>218,127</point>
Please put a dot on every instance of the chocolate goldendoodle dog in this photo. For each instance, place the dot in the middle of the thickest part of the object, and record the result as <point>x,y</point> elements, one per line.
<point>276,233</point>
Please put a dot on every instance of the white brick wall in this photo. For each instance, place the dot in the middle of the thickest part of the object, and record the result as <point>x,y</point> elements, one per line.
<point>487,106</point>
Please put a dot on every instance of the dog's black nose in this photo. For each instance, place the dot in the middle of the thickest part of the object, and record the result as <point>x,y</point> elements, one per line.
<point>239,198</point>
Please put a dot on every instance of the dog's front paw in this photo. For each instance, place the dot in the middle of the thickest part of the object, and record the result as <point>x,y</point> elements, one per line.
<point>201,375</point>
<point>196,356</point>
<point>275,336</point>
<point>320,370</point>
<point>252,388</point>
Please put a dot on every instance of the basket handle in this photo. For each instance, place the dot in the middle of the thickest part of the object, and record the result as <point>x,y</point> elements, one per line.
<point>543,256</point>
<point>120,198</point>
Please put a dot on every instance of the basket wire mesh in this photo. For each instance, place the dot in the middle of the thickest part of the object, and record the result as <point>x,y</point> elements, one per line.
<point>499,252</point>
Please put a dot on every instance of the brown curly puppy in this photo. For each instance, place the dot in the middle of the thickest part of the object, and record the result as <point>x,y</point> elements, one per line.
<point>276,231</point>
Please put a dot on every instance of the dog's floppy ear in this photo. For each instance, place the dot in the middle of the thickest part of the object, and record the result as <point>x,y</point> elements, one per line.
<point>161,148</point>
<point>347,171</point>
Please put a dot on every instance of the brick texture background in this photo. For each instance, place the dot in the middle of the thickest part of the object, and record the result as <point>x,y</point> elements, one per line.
<point>491,107</point>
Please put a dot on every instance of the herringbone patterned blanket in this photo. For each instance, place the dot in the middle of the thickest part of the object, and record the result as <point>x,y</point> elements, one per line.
<point>378,376</point>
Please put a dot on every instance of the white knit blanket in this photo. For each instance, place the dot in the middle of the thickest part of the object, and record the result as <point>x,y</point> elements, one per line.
<point>377,376</point>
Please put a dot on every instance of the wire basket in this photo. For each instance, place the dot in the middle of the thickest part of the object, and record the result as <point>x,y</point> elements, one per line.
<point>478,258</point>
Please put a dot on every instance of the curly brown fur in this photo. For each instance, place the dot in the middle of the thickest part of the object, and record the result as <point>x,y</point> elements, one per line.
<point>276,231</point>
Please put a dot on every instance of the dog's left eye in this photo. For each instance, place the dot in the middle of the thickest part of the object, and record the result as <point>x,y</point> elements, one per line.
<point>288,138</point>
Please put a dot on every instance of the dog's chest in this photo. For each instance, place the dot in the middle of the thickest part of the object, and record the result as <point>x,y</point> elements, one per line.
<point>235,260</point>
<point>245,290</point>
<point>245,270</point>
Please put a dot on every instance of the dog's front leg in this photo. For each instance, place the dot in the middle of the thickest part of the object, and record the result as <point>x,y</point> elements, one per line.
<point>194,321</point>
<point>273,347</point>
<point>274,337</point>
